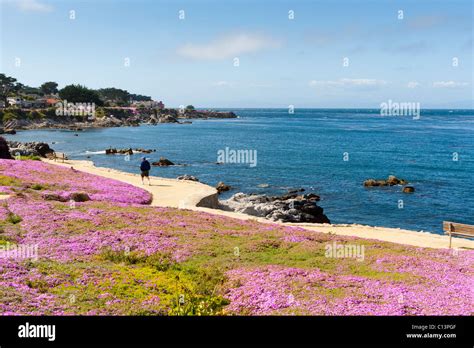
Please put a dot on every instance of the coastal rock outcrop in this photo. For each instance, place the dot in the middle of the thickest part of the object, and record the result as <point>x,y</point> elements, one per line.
<point>4,149</point>
<point>187,177</point>
<point>129,151</point>
<point>79,197</point>
<point>221,187</point>
<point>205,114</point>
<point>408,189</point>
<point>145,150</point>
<point>163,162</point>
<point>167,119</point>
<point>390,181</point>
<point>113,151</point>
<point>287,208</point>
<point>112,117</point>
<point>30,149</point>
<point>54,197</point>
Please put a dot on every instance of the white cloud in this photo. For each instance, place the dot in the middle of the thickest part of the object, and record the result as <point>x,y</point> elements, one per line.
<point>449,84</point>
<point>413,84</point>
<point>31,5</point>
<point>347,83</point>
<point>227,47</point>
<point>261,85</point>
<point>223,84</point>
<point>243,85</point>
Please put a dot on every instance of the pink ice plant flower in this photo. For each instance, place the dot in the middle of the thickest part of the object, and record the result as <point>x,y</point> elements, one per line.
<point>429,282</point>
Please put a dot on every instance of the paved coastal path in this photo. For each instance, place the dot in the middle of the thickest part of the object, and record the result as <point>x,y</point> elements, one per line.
<point>189,194</point>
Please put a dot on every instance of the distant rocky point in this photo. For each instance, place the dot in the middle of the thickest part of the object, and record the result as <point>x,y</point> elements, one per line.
<point>113,117</point>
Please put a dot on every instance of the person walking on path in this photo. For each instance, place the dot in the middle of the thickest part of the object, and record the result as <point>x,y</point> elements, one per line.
<point>145,168</point>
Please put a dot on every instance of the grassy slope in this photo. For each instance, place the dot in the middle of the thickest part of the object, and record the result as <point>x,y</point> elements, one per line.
<point>116,255</point>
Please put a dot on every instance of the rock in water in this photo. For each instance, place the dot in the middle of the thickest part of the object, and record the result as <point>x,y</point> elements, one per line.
<point>287,208</point>
<point>167,119</point>
<point>221,187</point>
<point>370,183</point>
<point>408,189</point>
<point>163,162</point>
<point>391,181</point>
<point>4,149</point>
<point>187,177</point>
<point>291,191</point>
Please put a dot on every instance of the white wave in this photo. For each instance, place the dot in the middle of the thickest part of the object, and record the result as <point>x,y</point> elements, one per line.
<point>94,152</point>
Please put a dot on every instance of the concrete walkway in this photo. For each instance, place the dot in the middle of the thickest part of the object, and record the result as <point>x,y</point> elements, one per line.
<point>185,194</point>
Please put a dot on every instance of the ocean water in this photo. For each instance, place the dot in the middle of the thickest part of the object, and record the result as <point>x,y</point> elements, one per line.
<point>308,149</point>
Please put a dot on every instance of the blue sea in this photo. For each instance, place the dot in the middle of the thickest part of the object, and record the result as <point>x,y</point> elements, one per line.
<point>326,151</point>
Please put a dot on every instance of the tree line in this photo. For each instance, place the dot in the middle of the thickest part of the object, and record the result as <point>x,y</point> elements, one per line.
<point>74,93</point>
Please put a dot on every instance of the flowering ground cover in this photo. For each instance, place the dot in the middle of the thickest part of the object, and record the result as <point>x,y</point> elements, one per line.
<point>115,254</point>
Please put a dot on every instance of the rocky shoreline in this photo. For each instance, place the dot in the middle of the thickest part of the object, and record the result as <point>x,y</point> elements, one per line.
<point>292,207</point>
<point>33,148</point>
<point>115,118</point>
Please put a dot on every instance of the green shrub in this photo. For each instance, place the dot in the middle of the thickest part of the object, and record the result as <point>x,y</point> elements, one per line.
<point>37,187</point>
<point>129,258</point>
<point>198,305</point>
<point>35,115</point>
<point>8,116</point>
<point>99,112</point>
<point>13,218</point>
<point>160,261</point>
<point>30,158</point>
<point>50,112</point>
<point>8,181</point>
<point>41,285</point>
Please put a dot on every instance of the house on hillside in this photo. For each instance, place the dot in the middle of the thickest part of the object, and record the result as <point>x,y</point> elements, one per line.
<point>51,101</point>
<point>26,104</point>
<point>15,101</point>
<point>39,103</point>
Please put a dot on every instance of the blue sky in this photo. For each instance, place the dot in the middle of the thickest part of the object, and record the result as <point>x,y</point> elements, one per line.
<point>282,61</point>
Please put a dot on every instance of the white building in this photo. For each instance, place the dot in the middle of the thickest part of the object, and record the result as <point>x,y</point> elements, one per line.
<point>21,103</point>
<point>14,101</point>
